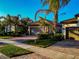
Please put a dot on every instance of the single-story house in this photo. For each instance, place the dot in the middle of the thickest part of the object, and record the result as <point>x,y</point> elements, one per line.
<point>41,26</point>
<point>11,27</point>
<point>21,23</point>
<point>70,27</point>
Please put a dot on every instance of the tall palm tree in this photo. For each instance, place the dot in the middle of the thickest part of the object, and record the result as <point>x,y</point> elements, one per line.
<point>15,21</point>
<point>10,20</point>
<point>54,6</point>
<point>26,23</point>
<point>7,21</point>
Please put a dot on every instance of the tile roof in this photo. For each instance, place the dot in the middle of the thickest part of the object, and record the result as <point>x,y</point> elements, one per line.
<point>72,20</point>
<point>45,20</point>
<point>37,23</point>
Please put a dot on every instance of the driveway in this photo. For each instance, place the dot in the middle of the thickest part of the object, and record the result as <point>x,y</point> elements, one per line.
<point>68,47</point>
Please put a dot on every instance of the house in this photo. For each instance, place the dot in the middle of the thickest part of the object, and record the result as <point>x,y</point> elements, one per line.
<point>10,27</point>
<point>23,25</point>
<point>70,27</point>
<point>41,26</point>
<point>17,24</point>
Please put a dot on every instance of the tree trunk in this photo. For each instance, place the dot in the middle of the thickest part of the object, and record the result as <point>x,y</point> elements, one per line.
<point>55,22</point>
<point>15,28</point>
<point>10,30</point>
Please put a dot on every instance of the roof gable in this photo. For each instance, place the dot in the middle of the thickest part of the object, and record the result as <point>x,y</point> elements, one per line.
<point>42,22</point>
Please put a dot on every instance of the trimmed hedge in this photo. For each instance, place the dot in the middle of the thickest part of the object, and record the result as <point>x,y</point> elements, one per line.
<point>57,36</point>
<point>45,36</point>
<point>11,34</point>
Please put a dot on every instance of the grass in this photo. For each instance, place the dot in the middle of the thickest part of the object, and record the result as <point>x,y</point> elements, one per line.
<point>5,37</point>
<point>41,43</point>
<point>12,51</point>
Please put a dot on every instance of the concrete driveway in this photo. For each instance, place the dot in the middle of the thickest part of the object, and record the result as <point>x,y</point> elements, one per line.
<point>68,47</point>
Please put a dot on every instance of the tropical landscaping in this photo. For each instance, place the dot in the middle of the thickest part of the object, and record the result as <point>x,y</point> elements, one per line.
<point>13,25</point>
<point>17,33</point>
<point>45,40</point>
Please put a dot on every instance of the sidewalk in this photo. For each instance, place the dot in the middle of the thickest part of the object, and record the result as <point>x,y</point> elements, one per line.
<point>25,38</point>
<point>51,54</point>
<point>2,56</point>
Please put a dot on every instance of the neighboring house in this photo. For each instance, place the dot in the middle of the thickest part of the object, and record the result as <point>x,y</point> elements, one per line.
<point>71,25</point>
<point>26,21</point>
<point>11,27</point>
<point>41,26</point>
<point>23,25</point>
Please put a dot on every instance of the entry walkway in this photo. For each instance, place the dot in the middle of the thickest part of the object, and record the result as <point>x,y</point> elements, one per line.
<point>51,54</point>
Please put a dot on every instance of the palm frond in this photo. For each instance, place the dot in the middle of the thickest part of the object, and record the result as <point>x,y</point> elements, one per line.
<point>41,10</point>
<point>45,2</point>
<point>54,5</point>
<point>65,2</point>
<point>41,0</point>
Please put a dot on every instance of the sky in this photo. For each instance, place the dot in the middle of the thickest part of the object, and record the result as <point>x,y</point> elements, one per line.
<point>28,8</point>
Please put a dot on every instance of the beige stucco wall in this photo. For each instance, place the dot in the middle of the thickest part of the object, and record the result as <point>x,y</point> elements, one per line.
<point>9,29</point>
<point>13,28</point>
<point>70,34</point>
<point>69,25</point>
<point>76,37</point>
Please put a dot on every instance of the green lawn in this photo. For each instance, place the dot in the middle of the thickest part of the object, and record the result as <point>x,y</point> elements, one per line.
<point>5,37</point>
<point>11,51</point>
<point>41,43</point>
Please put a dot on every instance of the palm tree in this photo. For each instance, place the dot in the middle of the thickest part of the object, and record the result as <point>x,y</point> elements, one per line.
<point>7,21</point>
<point>26,23</point>
<point>15,21</point>
<point>54,6</point>
<point>10,20</point>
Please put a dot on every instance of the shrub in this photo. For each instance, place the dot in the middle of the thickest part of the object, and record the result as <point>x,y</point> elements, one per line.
<point>16,34</point>
<point>45,36</point>
<point>7,33</point>
<point>58,36</point>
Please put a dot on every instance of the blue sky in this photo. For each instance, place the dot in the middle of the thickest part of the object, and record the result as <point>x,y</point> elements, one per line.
<point>27,8</point>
